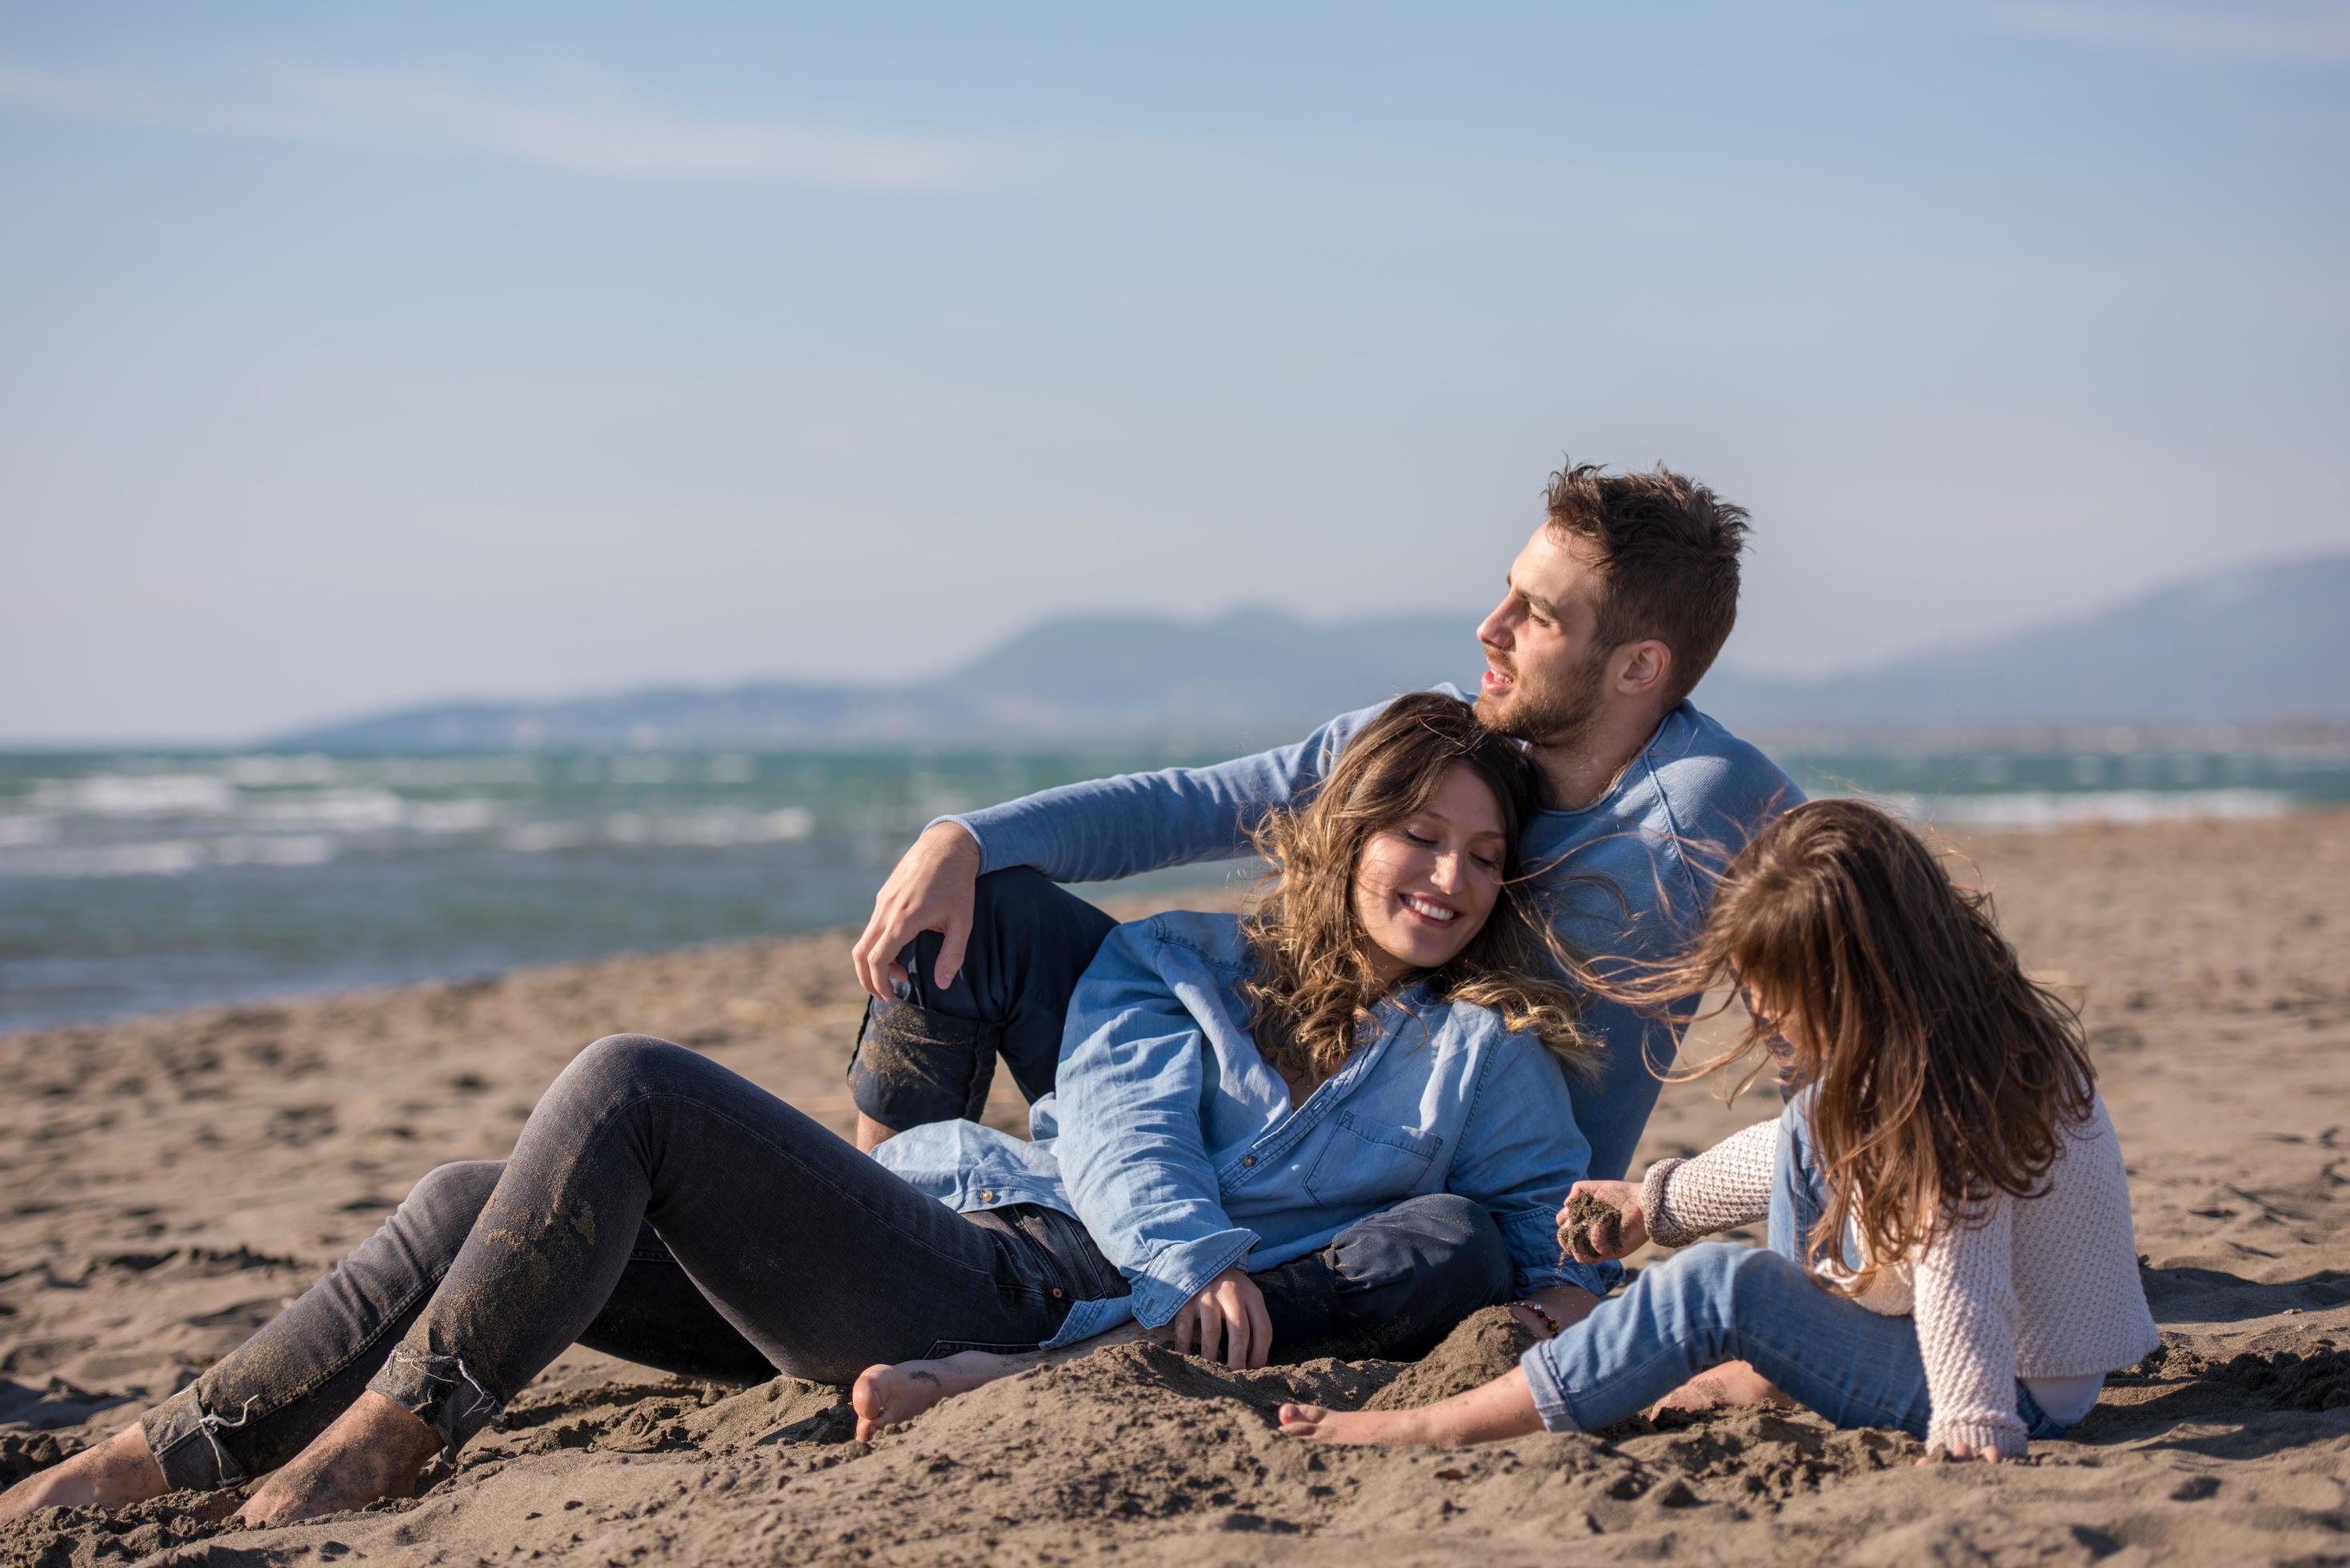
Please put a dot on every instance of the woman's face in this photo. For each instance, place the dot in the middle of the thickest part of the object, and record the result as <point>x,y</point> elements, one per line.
<point>1424,886</point>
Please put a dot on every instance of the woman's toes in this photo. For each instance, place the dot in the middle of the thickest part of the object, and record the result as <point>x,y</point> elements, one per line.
<point>869,1398</point>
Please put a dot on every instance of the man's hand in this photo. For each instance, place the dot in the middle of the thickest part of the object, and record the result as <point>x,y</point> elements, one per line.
<point>930,890</point>
<point>1230,1309</point>
<point>1584,1231</point>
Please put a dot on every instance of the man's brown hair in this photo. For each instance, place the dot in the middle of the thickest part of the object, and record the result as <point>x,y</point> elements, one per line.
<point>1668,549</point>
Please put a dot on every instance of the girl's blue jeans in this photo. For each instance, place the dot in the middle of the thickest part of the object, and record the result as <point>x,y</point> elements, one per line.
<point>1719,1301</point>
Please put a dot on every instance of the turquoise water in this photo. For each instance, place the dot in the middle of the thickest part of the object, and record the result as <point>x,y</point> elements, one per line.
<point>131,881</point>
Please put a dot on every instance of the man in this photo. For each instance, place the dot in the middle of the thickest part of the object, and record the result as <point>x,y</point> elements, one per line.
<point>1615,610</point>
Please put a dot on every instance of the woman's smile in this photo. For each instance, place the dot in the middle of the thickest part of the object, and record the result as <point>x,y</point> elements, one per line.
<point>1434,911</point>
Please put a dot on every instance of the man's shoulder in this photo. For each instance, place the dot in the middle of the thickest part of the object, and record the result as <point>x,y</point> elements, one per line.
<point>1695,762</point>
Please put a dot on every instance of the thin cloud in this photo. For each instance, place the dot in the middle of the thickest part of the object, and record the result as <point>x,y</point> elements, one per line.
<point>584,123</point>
<point>2272,32</point>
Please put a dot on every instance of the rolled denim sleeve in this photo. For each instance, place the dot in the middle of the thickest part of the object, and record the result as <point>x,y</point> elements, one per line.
<point>1520,1151</point>
<point>1104,829</point>
<point>1132,1153</point>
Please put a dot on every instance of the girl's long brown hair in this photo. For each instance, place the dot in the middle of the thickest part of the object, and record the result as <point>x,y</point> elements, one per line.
<point>1942,1071</point>
<point>1312,990</point>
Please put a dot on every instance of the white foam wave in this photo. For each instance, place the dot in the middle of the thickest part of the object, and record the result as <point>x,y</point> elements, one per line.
<point>156,858</point>
<point>720,829</point>
<point>2057,808</point>
<point>139,795</point>
<point>17,831</point>
<point>336,810</point>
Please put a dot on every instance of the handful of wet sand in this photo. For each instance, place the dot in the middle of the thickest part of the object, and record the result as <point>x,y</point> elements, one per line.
<point>1593,1225</point>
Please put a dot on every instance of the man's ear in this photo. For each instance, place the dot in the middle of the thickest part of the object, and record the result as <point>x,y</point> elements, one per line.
<point>1646,665</point>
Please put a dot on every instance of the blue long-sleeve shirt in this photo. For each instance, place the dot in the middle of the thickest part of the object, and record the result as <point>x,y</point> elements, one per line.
<point>1687,802</point>
<point>1174,1141</point>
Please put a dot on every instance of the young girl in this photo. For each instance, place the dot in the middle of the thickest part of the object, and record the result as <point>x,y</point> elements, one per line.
<point>1950,1248</point>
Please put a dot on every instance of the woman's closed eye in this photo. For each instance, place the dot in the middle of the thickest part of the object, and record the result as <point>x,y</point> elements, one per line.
<point>1491,862</point>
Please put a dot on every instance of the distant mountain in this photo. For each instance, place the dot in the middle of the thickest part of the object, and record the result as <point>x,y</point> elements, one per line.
<point>1245,674</point>
<point>2267,643</point>
<point>2259,644</point>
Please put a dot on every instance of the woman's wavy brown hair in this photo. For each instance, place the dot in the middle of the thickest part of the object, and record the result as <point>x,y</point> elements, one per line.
<point>1943,1073</point>
<point>1312,992</point>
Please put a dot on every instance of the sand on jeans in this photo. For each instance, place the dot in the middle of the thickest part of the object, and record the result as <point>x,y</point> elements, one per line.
<point>167,1183</point>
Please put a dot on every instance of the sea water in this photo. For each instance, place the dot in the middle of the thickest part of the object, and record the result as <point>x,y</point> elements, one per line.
<point>131,882</point>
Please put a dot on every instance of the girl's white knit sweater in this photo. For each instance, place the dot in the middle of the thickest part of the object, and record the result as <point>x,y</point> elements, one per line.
<point>2037,1287</point>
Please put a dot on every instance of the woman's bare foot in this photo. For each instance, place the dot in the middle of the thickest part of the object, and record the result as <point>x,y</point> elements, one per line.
<point>375,1449</point>
<point>887,1396</point>
<point>1733,1383</point>
<point>116,1473</point>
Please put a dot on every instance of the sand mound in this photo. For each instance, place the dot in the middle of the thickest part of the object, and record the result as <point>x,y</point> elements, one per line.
<point>1485,1345</point>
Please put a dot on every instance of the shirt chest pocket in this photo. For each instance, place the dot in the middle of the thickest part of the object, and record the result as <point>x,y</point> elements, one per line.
<point>1364,1163</point>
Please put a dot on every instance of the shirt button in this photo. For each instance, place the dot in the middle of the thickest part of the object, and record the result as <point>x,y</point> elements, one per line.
<point>1057,1292</point>
<point>987,1195</point>
<point>1248,1159</point>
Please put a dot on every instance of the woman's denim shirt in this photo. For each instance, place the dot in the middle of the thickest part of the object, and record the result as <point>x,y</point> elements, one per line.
<point>1173,1139</point>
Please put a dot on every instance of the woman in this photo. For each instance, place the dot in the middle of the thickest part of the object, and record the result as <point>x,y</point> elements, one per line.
<point>1949,1250</point>
<point>1390,1164</point>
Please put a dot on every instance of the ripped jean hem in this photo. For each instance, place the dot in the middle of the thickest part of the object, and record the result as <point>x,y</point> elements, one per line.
<point>184,1437</point>
<point>439,1391</point>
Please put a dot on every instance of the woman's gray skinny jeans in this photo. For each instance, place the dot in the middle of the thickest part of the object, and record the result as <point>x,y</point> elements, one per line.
<point>664,1210</point>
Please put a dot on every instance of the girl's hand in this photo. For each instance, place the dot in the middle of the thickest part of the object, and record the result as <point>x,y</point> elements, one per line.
<point>1959,1451</point>
<point>1230,1310</point>
<point>1602,1219</point>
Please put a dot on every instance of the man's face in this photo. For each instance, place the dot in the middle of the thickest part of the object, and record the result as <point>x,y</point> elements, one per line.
<point>1545,671</point>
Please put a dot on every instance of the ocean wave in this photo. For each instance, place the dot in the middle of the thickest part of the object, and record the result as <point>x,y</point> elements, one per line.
<point>138,795</point>
<point>2054,808</point>
<point>719,829</point>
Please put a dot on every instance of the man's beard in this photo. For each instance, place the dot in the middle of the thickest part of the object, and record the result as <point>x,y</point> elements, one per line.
<point>1559,719</point>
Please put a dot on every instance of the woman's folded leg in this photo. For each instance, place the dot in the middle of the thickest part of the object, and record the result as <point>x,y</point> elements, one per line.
<point>823,1262</point>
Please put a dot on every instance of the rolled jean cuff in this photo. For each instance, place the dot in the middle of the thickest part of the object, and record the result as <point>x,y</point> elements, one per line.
<point>440,1392</point>
<point>1550,1395</point>
<point>184,1437</point>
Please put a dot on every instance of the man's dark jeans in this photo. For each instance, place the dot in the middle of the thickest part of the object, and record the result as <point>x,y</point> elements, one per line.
<point>931,1056</point>
<point>661,1209</point>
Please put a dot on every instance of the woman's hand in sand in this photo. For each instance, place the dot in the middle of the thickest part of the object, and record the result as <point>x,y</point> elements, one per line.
<point>1228,1312</point>
<point>930,890</point>
<point>1602,1219</point>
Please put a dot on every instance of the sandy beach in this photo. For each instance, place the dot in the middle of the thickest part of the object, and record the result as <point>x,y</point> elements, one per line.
<point>166,1183</point>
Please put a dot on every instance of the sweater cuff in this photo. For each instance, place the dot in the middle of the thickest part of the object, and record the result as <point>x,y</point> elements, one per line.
<point>1654,1212</point>
<point>2003,1435</point>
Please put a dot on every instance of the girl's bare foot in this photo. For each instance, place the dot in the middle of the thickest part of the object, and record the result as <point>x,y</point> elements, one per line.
<point>886,1396</point>
<point>116,1473</point>
<point>1355,1426</point>
<point>375,1449</point>
<point>1731,1384</point>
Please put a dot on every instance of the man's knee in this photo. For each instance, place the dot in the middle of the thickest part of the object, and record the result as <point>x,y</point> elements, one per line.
<point>1435,1258</point>
<point>913,1065</point>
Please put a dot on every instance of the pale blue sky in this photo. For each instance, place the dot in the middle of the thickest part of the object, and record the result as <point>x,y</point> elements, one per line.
<point>349,356</point>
